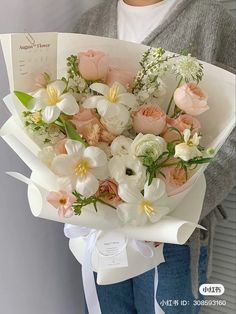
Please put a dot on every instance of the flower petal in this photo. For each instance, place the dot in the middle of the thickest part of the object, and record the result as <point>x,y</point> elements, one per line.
<point>128,194</point>
<point>88,186</point>
<point>160,211</point>
<point>58,85</point>
<point>127,99</point>
<point>100,88</point>
<point>129,213</point>
<point>74,147</point>
<point>63,165</point>
<point>155,190</point>
<point>92,102</point>
<point>100,173</point>
<point>96,156</point>
<point>68,104</point>
<point>50,114</point>
<point>53,199</point>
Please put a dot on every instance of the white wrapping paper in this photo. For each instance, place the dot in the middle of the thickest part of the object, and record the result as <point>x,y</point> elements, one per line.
<point>50,51</point>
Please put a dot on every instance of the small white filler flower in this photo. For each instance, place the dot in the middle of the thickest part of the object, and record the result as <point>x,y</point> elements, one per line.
<point>188,149</point>
<point>138,209</point>
<point>83,166</point>
<point>52,101</point>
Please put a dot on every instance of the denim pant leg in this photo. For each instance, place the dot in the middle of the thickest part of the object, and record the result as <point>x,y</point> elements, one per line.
<point>116,299</point>
<point>174,283</point>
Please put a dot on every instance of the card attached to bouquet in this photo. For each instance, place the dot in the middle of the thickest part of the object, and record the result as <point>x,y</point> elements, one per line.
<point>111,248</point>
<point>30,55</point>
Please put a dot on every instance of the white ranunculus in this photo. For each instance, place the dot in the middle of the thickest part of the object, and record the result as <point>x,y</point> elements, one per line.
<point>148,145</point>
<point>117,124</point>
<point>138,209</point>
<point>52,101</point>
<point>189,148</point>
<point>83,166</point>
<point>127,169</point>
<point>121,146</point>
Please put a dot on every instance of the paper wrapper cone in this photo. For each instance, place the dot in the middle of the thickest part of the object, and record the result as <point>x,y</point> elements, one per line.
<point>217,123</point>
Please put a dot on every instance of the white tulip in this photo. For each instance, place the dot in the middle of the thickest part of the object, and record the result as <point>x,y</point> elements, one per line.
<point>189,148</point>
<point>52,101</point>
<point>83,166</point>
<point>138,209</point>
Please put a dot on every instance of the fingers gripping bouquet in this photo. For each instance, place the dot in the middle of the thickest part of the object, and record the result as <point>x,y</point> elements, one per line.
<point>117,143</point>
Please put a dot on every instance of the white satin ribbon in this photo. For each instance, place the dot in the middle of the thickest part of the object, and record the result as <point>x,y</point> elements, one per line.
<point>158,309</point>
<point>89,285</point>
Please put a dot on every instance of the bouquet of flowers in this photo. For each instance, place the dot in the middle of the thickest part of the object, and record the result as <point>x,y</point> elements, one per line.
<point>117,136</point>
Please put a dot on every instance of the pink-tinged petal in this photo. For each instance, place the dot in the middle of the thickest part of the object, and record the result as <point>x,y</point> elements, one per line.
<point>53,198</point>
<point>63,165</point>
<point>65,212</point>
<point>74,147</point>
<point>88,70</point>
<point>68,104</point>
<point>130,214</point>
<point>50,114</point>
<point>129,194</point>
<point>100,88</point>
<point>92,102</point>
<point>88,186</point>
<point>97,157</point>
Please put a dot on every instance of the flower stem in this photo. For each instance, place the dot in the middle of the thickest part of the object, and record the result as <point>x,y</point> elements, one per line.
<point>172,97</point>
<point>101,201</point>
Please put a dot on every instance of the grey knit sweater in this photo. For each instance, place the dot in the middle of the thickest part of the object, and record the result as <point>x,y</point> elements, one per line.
<point>212,32</point>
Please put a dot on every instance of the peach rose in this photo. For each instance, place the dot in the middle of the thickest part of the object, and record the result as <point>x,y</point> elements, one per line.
<point>93,65</point>
<point>110,190</point>
<point>191,99</point>
<point>123,77</point>
<point>60,147</point>
<point>175,178</point>
<point>184,121</point>
<point>149,119</point>
<point>87,124</point>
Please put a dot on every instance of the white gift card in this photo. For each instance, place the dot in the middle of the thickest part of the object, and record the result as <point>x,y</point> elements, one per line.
<point>111,248</point>
<point>32,54</point>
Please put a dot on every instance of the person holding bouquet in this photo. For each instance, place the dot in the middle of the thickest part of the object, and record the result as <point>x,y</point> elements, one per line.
<point>209,32</point>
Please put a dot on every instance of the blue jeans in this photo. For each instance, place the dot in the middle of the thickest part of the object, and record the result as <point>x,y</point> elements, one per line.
<point>135,296</point>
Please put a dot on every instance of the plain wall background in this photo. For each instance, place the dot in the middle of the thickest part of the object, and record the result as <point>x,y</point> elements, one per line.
<point>38,274</point>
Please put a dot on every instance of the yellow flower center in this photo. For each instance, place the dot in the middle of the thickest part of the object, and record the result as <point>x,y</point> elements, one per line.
<point>113,94</point>
<point>53,97</point>
<point>62,201</point>
<point>82,168</point>
<point>147,207</point>
<point>190,143</point>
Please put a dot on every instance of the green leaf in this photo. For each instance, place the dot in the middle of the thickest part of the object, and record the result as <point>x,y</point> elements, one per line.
<point>24,98</point>
<point>72,133</point>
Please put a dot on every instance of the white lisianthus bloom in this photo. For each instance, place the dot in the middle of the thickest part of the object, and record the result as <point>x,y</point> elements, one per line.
<point>121,146</point>
<point>117,124</point>
<point>114,102</point>
<point>52,101</point>
<point>127,169</point>
<point>84,166</point>
<point>148,145</point>
<point>138,209</point>
<point>188,149</point>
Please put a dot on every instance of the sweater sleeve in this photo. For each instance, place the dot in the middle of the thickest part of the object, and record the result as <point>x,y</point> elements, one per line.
<point>220,175</point>
<point>226,43</point>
